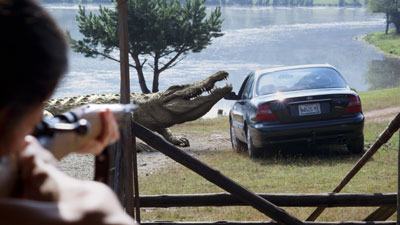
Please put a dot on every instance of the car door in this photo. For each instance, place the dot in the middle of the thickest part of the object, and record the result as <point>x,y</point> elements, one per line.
<point>240,108</point>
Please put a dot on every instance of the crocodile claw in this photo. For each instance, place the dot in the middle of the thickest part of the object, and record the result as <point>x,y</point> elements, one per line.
<point>179,141</point>
<point>183,142</point>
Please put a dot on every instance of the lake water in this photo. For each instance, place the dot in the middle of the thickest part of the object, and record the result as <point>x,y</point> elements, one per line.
<point>255,38</point>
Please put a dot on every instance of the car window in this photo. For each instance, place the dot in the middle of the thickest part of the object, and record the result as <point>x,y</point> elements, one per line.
<point>299,79</point>
<point>248,88</point>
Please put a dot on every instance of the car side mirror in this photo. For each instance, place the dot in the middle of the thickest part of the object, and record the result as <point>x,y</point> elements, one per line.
<point>232,96</point>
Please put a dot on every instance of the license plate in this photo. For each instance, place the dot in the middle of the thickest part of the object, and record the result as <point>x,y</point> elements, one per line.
<point>309,109</point>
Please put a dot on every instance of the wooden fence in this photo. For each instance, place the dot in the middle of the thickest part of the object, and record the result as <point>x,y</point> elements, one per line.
<point>268,204</point>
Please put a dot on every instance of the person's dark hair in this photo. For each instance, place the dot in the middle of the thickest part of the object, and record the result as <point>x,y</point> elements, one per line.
<point>33,55</point>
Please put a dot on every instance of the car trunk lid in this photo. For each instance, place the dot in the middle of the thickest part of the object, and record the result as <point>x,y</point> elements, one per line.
<point>309,105</point>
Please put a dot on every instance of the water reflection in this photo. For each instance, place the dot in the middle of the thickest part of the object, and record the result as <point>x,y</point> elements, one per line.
<point>383,73</point>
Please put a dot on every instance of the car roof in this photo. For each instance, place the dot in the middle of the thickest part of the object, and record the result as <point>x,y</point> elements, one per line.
<point>270,70</point>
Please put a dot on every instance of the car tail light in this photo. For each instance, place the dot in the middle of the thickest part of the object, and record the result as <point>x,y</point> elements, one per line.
<point>354,105</point>
<point>264,113</point>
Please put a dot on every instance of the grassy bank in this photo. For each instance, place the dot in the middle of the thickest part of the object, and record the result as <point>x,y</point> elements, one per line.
<point>379,99</point>
<point>319,172</point>
<point>388,43</point>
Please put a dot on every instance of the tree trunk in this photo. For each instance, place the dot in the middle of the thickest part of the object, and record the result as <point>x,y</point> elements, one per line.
<point>156,73</point>
<point>156,76</point>
<point>142,81</point>
<point>341,3</point>
<point>139,71</point>
<point>395,18</point>
<point>275,2</point>
<point>387,23</point>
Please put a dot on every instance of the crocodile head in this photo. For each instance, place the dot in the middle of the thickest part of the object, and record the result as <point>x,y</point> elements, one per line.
<point>181,103</point>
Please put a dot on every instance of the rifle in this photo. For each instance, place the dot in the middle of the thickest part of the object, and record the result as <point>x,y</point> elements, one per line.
<point>72,129</point>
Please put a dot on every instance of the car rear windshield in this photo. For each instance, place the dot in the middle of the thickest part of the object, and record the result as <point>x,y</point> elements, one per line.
<point>299,79</point>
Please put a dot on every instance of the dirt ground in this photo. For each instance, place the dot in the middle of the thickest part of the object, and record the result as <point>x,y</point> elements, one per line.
<point>81,166</point>
<point>381,115</point>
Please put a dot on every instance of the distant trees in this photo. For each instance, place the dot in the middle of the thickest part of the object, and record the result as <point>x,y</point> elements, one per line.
<point>236,2</point>
<point>283,2</point>
<point>75,1</point>
<point>161,33</point>
<point>278,2</point>
<point>391,10</point>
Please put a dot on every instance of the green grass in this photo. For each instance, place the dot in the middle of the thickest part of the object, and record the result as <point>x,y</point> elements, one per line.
<point>388,43</point>
<point>379,99</point>
<point>318,173</point>
<point>202,126</point>
<point>284,172</point>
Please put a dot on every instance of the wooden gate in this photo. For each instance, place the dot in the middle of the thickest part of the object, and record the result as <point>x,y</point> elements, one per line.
<point>268,204</point>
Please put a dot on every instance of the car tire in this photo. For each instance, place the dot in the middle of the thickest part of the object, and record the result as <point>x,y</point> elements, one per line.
<point>252,151</point>
<point>237,145</point>
<point>356,145</point>
<point>234,140</point>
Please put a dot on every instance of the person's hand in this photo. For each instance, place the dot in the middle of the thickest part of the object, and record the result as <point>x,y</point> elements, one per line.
<point>110,135</point>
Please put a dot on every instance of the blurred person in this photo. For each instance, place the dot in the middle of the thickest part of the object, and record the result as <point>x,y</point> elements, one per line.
<point>33,58</point>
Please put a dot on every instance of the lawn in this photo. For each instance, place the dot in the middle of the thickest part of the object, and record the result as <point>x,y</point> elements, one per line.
<point>379,99</point>
<point>388,43</point>
<point>284,172</point>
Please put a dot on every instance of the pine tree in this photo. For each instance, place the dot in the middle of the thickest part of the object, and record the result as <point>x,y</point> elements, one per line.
<point>159,30</point>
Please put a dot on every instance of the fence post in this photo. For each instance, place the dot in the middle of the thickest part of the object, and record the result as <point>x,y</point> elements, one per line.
<point>126,132</point>
<point>398,184</point>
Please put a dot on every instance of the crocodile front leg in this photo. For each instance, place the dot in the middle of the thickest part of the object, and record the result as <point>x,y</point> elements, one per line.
<point>176,140</point>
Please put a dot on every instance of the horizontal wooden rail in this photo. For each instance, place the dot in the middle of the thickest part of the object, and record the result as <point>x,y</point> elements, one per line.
<point>270,223</point>
<point>286,200</point>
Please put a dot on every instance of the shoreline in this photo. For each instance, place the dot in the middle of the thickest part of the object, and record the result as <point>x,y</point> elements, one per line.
<point>362,39</point>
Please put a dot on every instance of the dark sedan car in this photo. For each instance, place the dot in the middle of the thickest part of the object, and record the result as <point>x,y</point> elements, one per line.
<point>309,103</point>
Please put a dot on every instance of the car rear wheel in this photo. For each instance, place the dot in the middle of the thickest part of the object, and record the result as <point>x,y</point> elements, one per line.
<point>252,151</point>
<point>234,140</point>
<point>356,145</point>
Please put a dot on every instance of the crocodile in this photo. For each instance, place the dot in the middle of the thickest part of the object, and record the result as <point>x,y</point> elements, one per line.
<point>161,110</point>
